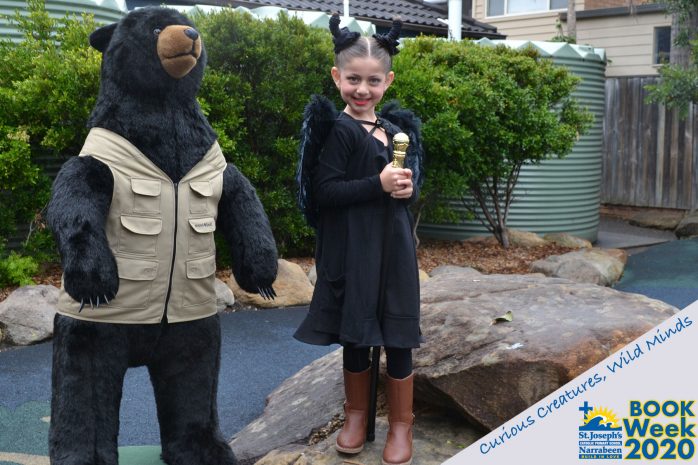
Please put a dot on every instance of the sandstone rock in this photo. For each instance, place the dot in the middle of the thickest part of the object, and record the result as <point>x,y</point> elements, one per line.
<point>491,372</point>
<point>620,254</point>
<point>312,275</point>
<point>436,439</point>
<point>688,227</point>
<point>423,276</point>
<point>485,372</point>
<point>525,239</point>
<point>292,288</point>
<point>224,295</point>
<point>461,270</point>
<point>567,240</point>
<point>27,314</point>
<point>658,219</point>
<point>308,400</point>
<point>595,266</point>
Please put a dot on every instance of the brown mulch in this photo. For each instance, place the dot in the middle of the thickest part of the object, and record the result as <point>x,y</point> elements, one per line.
<point>486,256</point>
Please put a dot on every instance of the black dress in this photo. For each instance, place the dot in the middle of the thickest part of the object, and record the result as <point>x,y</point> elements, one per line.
<point>348,253</point>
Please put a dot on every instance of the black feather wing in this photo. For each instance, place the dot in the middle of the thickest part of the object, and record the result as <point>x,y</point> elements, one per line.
<point>318,118</point>
<point>406,121</point>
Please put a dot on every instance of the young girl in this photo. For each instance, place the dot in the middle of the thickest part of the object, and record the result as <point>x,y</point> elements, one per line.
<point>360,196</point>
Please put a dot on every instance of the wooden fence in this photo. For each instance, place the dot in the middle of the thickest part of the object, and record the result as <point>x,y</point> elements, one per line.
<point>650,155</point>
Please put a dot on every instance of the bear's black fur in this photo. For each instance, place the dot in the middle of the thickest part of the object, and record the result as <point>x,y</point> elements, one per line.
<point>158,113</point>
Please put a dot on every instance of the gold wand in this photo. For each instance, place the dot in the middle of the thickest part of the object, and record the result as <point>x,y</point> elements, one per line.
<point>400,143</point>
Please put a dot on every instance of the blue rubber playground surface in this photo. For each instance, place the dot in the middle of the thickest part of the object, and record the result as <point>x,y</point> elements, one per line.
<point>666,272</point>
<point>259,353</point>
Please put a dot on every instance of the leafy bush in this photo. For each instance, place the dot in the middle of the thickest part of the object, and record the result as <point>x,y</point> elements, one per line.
<point>16,270</point>
<point>486,111</point>
<point>48,85</point>
<point>260,75</point>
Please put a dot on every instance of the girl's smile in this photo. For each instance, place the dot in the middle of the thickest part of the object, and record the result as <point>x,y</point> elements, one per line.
<point>362,82</point>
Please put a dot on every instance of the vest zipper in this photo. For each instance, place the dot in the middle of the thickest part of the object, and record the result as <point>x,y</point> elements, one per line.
<point>174,251</point>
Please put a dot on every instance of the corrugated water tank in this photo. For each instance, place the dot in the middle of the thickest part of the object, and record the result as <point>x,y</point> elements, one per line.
<point>558,195</point>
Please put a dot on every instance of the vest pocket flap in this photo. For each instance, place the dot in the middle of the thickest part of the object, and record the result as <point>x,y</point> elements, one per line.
<point>203,188</point>
<point>201,268</point>
<point>136,270</point>
<point>141,225</point>
<point>147,187</point>
<point>203,225</point>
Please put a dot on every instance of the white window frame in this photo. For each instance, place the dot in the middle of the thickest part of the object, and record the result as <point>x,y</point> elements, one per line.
<point>523,13</point>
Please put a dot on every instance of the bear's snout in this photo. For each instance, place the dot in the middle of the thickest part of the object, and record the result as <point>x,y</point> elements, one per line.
<point>179,49</point>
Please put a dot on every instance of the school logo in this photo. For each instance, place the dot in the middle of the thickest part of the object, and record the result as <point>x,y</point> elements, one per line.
<point>600,435</point>
<point>662,430</point>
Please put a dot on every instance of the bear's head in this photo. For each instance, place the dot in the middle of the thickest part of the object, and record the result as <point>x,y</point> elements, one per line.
<point>151,53</point>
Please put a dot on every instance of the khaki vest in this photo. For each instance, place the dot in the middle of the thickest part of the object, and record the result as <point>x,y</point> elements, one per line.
<point>161,235</point>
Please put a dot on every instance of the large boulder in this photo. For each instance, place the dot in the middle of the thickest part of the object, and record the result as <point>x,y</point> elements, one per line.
<point>490,369</point>
<point>27,314</point>
<point>525,238</point>
<point>567,240</point>
<point>688,227</point>
<point>595,266</point>
<point>309,404</point>
<point>308,400</point>
<point>224,295</point>
<point>436,439</point>
<point>292,288</point>
<point>495,344</point>
<point>657,219</point>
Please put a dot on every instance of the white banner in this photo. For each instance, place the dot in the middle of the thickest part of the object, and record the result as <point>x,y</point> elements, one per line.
<point>639,404</point>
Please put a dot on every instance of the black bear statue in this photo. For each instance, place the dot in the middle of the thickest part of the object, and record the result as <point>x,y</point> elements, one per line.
<point>134,217</point>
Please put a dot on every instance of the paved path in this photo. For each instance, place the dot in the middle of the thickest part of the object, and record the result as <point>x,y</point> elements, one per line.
<point>258,354</point>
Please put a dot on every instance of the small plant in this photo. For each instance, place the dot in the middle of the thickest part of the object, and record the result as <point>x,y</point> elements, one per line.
<point>16,270</point>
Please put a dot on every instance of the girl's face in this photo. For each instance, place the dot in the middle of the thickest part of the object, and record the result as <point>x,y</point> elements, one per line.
<point>362,83</point>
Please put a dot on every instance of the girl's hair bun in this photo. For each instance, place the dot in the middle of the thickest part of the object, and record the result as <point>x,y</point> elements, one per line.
<point>342,38</point>
<point>389,41</point>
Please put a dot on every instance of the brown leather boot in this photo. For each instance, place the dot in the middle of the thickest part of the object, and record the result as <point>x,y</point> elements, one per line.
<point>398,445</point>
<point>353,435</point>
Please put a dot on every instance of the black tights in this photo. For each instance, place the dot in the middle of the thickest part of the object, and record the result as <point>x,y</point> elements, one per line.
<point>399,361</point>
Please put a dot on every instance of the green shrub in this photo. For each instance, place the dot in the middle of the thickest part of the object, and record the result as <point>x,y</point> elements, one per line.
<point>486,111</point>
<point>48,86</point>
<point>260,75</point>
<point>16,270</point>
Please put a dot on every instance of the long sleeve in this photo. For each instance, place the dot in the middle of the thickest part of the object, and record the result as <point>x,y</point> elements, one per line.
<point>332,189</point>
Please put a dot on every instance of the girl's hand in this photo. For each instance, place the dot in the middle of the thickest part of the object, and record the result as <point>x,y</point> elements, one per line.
<point>406,187</point>
<point>394,179</point>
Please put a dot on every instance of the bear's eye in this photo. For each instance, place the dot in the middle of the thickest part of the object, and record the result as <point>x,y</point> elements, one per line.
<point>156,31</point>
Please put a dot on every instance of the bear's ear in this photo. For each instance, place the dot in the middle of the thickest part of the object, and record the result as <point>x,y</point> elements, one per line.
<point>100,38</point>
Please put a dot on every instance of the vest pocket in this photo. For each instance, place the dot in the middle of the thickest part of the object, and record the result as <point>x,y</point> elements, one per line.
<point>139,235</point>
<point>198,200</point>
<point>201,283</point>
<point>146,195</point>
<point>135,280</point>
<point>201,235</point>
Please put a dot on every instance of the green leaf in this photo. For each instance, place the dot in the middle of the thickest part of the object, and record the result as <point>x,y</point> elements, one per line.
<point>507,317</point>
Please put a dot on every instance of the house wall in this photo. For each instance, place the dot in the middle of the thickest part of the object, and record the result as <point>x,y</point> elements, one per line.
<point>628,40</point>
<point>529,26</point>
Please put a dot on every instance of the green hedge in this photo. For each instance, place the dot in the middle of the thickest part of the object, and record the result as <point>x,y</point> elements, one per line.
<point>260,75</point>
